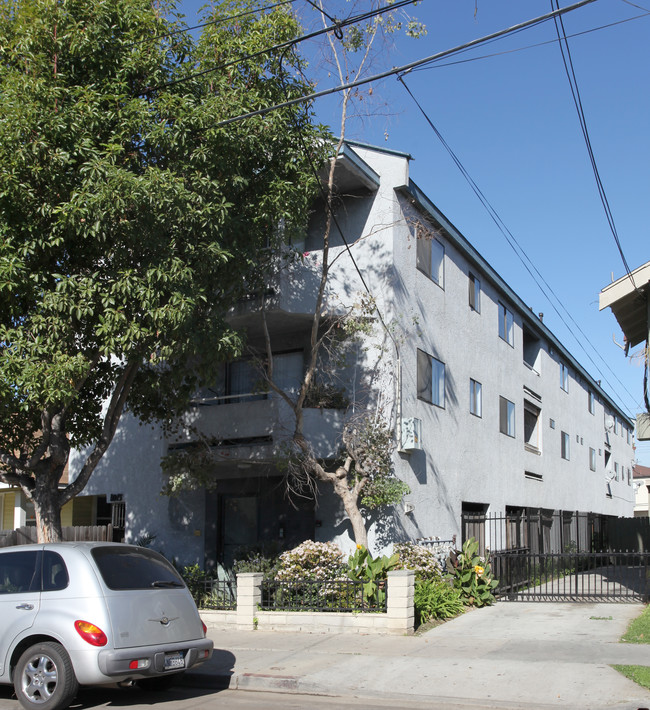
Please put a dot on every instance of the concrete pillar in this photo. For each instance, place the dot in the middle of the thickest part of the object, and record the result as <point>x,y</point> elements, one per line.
<point>249,596</point>
<point>401,611</point>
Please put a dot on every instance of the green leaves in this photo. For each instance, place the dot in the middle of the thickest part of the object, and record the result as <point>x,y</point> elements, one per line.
<point>129,222</point>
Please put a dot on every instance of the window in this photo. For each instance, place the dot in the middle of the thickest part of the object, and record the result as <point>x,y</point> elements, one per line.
<point>506,325</point>
<point>241,380</point>
<point>431,379</point>
<point>474,293</point>
<point>18,572</point>
<point>531,427</point>
<point>532,349</point>
<point>565,446</point>
<point>506,417</point>
<point>592,459</point>
<point>564,377</point>
<point>431,259</point>
<point>616,470</point>
<point>615,425</point>
<point>629,436</point>
<point>592,403</point>
<point>475,398</point>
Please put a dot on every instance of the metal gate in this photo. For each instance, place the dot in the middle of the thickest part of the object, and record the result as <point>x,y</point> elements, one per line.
<point>556,555</point>
<point>585,576</point>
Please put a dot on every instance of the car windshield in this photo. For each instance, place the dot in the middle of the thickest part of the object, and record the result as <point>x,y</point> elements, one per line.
<point>135,568</point>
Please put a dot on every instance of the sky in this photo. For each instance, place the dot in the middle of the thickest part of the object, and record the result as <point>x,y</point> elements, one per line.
<point>506,111</point>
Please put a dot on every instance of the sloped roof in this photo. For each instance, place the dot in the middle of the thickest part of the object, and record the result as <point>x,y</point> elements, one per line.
<point>641,471</point>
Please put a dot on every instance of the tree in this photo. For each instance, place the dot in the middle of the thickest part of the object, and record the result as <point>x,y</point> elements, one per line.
<point>129,220</point>
<point>363,478</point>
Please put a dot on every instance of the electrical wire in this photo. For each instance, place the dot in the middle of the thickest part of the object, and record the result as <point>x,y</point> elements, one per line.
<point>404,68</point>
<point>335,28</point>
<point>530,46</point>
<point>516,247</point>
<point>211,23</point>
<point>577,100</point>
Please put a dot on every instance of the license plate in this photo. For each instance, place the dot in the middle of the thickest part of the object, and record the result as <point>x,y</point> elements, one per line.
<point>174,660</point>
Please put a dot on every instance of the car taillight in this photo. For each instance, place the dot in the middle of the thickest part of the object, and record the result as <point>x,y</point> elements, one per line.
<point>205,628</point>
<point>90,633</point>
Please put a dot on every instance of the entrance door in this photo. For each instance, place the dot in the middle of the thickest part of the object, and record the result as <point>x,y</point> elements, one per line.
<point>239,525</point>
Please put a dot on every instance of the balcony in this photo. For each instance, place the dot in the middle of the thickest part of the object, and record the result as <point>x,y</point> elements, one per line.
<point>254,427</point>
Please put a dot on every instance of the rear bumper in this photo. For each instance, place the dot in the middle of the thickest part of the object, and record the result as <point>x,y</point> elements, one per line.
<point>151,659</point>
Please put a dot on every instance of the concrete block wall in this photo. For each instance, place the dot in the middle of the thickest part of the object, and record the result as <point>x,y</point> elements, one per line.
<point>399,619</point>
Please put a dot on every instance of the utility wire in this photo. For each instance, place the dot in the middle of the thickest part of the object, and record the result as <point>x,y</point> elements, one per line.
<point>516,247</point>
<point>335,28</point>
<point>575,93</point>
<point>219,21</point>
<point>404,68</point>
<point>530,46</point>
<point>328,206</point>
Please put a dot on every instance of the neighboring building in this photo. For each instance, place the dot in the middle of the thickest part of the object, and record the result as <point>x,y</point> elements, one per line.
<point>494,413</point>
<point>642,486</point>
<point>629,299</point>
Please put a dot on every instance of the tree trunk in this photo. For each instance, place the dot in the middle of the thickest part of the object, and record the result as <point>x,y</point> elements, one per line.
<point>350,503</point>
<point>47,509</point>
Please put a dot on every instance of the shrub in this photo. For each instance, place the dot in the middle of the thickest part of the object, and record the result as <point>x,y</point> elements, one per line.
<point>436,599</point>
<point>311,560</point>
<point>472,575</point>
<point>257,561</point>
<point>418,558</point>
<point>363,567</point>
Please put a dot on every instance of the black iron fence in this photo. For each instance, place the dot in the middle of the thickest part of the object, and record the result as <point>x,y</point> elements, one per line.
<point>214,594</point>
<point>333,595</point>
<point>586,576</point>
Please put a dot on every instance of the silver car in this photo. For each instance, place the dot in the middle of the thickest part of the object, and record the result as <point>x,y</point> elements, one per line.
<point>91,613</point>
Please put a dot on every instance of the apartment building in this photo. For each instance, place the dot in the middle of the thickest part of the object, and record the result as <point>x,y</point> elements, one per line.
<point>491,412</point>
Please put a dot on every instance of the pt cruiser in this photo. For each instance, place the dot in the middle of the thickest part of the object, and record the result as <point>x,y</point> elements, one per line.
<point>90,613</point>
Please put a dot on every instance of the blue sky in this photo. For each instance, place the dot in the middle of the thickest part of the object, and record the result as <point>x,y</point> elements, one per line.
<point>511,121</point>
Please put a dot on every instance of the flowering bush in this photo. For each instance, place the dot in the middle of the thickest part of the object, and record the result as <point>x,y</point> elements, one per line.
<point>418,558</point>
<point>472,575</point>
<point>311,560</point>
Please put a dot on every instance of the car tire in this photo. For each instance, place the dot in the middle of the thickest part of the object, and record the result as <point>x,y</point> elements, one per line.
<point>44,678</point>
<point>159,682</point>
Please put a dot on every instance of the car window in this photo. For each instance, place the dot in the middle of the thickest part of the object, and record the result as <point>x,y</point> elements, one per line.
<point>135,568</point>
<point>55,573</point>
<point>18,572</point>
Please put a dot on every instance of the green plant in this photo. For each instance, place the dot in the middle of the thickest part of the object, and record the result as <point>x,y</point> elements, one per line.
<point>472,575</point>
<point>371,571</point>
<point>639,629</point>
<point>436,599</point>
<point>639,674</point>
<point>195,578</point>
<point>257,560</point>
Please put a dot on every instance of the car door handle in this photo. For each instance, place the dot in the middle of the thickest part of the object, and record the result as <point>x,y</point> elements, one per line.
<point>27,607</point>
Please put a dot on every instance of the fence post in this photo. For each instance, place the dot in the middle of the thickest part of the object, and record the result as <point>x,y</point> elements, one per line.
<point>249,596</point>
<point>401,611</point>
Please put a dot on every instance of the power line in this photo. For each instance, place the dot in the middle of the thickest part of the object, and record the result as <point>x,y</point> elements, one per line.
<point>516,247</point>
<point>220,21</point>
<point>575,93</point>
<point>406,67</point>
<point>335,28</point>
<point>532,46</point>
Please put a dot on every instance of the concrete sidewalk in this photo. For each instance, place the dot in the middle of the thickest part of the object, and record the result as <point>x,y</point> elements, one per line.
<point>511,655</point>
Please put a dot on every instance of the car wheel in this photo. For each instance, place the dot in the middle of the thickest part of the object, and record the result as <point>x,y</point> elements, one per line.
<point>160,682</point>
<point>44,678</point>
